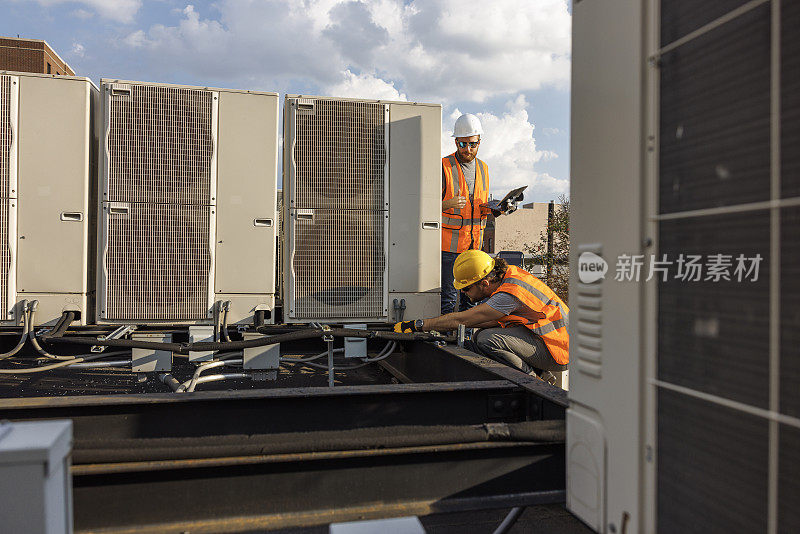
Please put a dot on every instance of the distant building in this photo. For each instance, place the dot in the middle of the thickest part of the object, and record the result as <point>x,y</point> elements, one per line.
<point>517,231</point>
<point>31,55</point>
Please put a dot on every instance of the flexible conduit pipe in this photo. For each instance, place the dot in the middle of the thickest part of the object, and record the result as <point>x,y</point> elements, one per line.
<point>23,337</point>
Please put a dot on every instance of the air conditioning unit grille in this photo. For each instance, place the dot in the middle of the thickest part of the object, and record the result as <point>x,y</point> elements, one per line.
<point>6,135</point>
<point>5,257</point>
<point>340,156</point>
<point>161,145</point>
<point>339,265</point>
<point>6,139</point>
<point>158,262</point>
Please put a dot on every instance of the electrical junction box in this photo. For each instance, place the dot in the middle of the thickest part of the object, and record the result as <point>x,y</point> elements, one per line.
<point>151,360</point>
<point>35,480</point>
<point>264,358</point>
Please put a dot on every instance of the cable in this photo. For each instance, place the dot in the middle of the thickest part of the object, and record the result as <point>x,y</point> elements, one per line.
<point>312,358</point>
<point>185,348</point>
<point>383,354</point>
<point>510,519</point>
<point>215,378</point>
<point>23,337</point>
<point>97,365</point>
<point>76,359</point>
<point>224,329</point>
<point>35,342</point>
<point>190,384</point>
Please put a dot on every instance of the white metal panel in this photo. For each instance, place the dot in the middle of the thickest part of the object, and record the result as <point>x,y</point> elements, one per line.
<point>247,164</point>
<point>606,390</point>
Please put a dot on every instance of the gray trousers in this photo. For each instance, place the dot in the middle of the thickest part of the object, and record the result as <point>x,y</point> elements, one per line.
<point>516,346</point>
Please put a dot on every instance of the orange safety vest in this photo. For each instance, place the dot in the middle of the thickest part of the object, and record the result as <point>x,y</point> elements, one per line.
<point>534,294</point>
<point>462,228</point>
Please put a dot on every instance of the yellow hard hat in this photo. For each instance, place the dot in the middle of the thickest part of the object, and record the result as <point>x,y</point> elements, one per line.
<point>471,266</point>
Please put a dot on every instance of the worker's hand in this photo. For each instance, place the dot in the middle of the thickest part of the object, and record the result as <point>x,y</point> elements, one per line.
<point>405,327</point>
<point>456,202</point>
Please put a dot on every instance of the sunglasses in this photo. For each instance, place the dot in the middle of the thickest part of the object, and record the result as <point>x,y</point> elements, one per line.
<point>467,288</point>
<point>463,144</point>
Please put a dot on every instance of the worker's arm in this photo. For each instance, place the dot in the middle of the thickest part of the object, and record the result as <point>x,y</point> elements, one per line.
<point>477,316</point>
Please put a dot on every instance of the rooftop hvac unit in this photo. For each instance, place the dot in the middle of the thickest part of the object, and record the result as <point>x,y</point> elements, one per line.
<point>684,412</point>
<point>362,211</point>
<point>188,203</point>
<point>48,139</point>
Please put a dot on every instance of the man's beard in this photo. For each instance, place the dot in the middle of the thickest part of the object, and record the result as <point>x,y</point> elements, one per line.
<point>462,159</point>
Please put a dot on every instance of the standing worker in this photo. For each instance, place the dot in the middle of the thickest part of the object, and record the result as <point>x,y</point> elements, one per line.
<point>523,323</point>
<point>465,186</point>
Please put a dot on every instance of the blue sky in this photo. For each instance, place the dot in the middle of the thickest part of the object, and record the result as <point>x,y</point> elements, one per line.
<point>507,61</point>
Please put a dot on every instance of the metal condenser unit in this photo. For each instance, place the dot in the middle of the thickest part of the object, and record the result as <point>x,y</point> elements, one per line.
<point>362,209</point>
<point>188,203</point>
<point>48,177</point>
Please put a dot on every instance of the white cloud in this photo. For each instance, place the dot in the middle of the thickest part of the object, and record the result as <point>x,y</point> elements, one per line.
<point>365,86</point>
<point>438,50</point>
<point>82,14</point>
<point>78,49</point>
<point>509,148</point>
<point>119,10</point>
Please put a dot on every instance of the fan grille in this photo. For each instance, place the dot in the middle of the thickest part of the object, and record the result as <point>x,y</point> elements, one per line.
<point>158,262</point>
<point>340,156</point>
<point>161,145</point>
<point>339,265</point>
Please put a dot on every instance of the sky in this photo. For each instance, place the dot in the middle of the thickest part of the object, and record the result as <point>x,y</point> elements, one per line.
<point>506,61</point>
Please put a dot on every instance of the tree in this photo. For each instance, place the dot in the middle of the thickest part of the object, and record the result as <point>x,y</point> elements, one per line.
<point>555,260</point>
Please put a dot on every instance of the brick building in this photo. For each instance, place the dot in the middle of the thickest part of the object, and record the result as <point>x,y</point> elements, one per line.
<point>31,55</point>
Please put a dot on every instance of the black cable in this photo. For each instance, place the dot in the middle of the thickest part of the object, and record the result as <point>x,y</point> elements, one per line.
<point>510,519</point>
<point>185,348</point>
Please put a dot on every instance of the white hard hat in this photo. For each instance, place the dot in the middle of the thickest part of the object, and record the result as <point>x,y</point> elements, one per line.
<point>467,125</point>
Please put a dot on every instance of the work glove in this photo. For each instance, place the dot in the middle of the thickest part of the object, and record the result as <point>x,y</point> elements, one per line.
<point>405,327</point>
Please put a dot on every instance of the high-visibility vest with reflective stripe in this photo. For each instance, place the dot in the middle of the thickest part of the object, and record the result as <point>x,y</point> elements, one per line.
<point>534,294</point>
<point>462,228</point>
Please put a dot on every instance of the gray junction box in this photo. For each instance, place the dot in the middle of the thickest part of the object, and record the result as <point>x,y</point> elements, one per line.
<point>35,480</point>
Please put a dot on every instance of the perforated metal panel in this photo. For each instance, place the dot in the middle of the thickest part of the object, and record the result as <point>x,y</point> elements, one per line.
<point>159,193</point>
<point>339,155</point>
<point>338,264</point>
<point>160,144</point>
<point>158,261</point>
<point>7,132</point>
<point>5,257</point>
<point>338,184</point>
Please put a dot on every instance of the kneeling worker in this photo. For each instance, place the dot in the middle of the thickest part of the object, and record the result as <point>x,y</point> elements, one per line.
<point>523,322</point>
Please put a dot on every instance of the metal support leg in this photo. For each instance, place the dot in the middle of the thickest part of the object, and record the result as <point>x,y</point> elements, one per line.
<point>327,338</point>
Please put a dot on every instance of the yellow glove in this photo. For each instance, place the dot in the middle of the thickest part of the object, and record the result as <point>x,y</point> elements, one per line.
<point>407,327</point>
